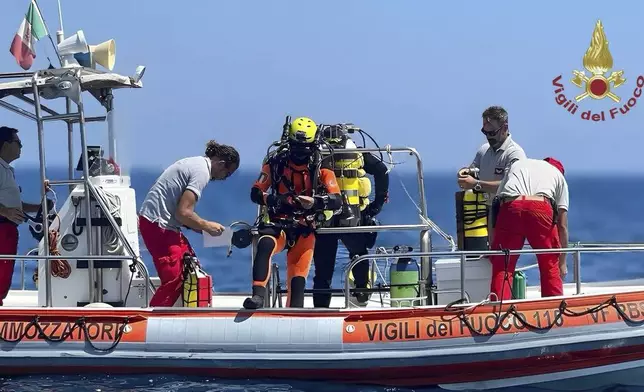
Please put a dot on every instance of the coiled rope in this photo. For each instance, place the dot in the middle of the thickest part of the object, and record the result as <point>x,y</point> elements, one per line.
<point>60,268</point>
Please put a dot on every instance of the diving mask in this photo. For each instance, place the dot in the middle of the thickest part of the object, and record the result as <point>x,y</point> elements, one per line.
<point>301,152</point>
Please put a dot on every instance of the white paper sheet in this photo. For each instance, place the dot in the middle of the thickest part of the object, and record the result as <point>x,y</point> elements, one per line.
<point>218,241</point>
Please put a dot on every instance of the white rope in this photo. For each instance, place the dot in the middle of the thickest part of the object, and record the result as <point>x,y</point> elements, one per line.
<point>382,250</point>
<point>390,165</point>
<point>343,255</point>
<point>486,301</point>
<point>55,201</point>
<point>527,267</point>
<point>429,222</point>
<point>391,159</point>
<point>111,242</point>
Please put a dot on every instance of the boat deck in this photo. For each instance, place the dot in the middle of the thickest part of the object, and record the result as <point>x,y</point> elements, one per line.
<point>29,298</point>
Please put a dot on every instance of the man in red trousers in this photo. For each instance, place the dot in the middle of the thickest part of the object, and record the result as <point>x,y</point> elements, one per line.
<point>533,205</point>
<point>11,206</point>
<point>170,205</point>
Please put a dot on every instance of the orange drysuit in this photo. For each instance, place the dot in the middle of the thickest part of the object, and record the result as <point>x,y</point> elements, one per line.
<point>295,180</point>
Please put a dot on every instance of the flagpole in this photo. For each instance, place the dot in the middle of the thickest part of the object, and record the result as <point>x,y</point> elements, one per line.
<point>49,31</point>
<point>60,34</point>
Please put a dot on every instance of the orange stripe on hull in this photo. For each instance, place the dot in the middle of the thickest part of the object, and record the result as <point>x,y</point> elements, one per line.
<point>538,311</point>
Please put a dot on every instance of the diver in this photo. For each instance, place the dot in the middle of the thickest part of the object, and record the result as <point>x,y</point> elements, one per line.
<point>299,191</point>
<point>350,169</point>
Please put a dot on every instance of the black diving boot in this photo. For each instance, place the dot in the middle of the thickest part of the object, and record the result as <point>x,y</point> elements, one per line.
<point>362,298</point>
<point>257,300</point>
<point>254,302</point>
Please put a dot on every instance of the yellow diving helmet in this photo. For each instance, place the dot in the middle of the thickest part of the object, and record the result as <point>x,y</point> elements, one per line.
<point>302,130</point>
<point>301,139</point>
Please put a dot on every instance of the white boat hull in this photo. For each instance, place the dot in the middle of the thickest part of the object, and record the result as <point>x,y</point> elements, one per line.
<point>395,346</point>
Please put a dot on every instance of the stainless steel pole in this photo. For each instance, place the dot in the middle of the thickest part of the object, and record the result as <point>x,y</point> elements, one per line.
<point>88,204</point>
<point>577,270</point>
<point>41,157</point>
<point>70,144</point>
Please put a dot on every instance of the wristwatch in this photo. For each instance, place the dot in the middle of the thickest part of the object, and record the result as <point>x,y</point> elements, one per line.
<point>477,187</point>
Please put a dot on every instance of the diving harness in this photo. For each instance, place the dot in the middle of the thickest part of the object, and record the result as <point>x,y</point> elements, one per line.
<point>285,212</point>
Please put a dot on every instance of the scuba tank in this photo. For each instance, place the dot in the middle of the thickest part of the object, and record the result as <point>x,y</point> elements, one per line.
<point>346,169</point>
<point>519,284</point>
<point>471,218</point>
<point>197,284</point>
<point>349,172</point>
<point>404,277</point>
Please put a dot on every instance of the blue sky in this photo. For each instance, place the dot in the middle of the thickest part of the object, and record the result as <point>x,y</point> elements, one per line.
<point>415,73</point>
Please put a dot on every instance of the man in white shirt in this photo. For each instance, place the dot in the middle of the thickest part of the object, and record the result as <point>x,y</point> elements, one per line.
<point>11,206</point>
<point>493,159</point>
<point>533,204</point>
<point>170,204</point>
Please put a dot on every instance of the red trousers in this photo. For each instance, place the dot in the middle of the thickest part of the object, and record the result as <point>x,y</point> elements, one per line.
<point>517,220</point>
<point>167,248</point>
<point>8,246</point>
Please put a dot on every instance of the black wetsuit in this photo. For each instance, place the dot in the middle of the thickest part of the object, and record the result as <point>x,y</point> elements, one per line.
<point>326,245</point>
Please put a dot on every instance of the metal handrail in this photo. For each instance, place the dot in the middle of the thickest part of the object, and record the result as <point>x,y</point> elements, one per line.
<point>463,258</point>
<point>69,117</point>
<point>370,229</point>
<point>419,167</point>
<point>599,245</point>
<point>68,257</point>
<point>424,228</point>
<point>131,254</point>
<point>15,75</point>
<point>119,233</point>
<point>22,267</point>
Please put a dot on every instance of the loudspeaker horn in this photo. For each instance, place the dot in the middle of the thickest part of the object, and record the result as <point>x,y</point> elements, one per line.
<point>104,53</point>
<point>71,46</point>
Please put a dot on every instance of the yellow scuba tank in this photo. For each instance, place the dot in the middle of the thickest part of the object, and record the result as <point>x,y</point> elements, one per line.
<point>197,284</point>
<point>471,220</point>
<point>364,189</point>
<point>348,169</point>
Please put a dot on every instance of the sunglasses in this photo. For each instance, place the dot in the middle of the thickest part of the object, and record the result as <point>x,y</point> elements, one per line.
<point>491,133</point>
<point>17,141</point>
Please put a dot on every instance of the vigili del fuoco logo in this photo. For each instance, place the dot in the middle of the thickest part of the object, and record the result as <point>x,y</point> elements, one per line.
<point>598,61</point>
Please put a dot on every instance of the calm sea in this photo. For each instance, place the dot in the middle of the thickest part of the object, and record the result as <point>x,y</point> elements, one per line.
<point>602,209</point>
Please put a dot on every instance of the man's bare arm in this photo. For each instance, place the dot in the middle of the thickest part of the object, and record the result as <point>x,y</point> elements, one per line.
<point>562,227</point>
<point>186,214</point>
<point>490,186</point>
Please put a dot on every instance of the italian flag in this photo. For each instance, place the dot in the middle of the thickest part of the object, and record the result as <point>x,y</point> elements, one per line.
<point>31,29</point>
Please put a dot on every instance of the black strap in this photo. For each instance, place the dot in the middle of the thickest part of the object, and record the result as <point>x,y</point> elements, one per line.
<point>278,166</point>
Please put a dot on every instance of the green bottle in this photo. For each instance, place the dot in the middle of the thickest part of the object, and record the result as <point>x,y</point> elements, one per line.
<point>403,277</point>
<point>519,285</point>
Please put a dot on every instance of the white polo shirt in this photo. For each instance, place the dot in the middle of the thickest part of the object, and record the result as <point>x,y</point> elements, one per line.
<point>494,165</point>
<point>9,189</point>
<point>534,177</point>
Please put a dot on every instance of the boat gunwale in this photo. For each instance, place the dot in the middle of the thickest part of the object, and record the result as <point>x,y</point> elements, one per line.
<point>574,301</point>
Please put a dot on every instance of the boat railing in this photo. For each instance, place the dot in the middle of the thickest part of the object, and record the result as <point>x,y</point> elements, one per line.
<point>23,267</point>
<point>468,256</point>
<point>131,255</point>
<point>68,83</point>
<point>424,227</point>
